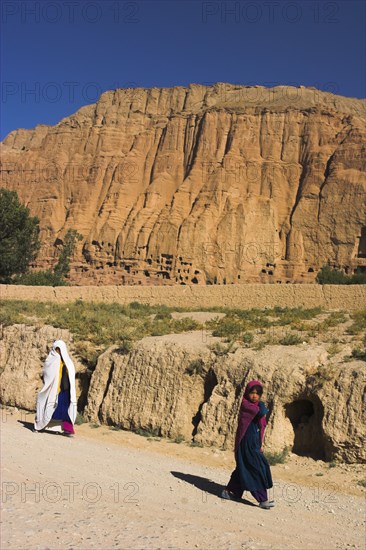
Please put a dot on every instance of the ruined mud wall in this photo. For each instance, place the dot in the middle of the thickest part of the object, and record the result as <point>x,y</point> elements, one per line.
<point>350,297</point>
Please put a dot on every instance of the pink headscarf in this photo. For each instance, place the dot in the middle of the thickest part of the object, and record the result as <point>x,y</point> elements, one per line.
<point>250,385</point>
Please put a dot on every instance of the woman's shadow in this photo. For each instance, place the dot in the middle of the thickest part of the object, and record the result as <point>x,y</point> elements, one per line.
<point>30,426</point>
<point>206,485</point>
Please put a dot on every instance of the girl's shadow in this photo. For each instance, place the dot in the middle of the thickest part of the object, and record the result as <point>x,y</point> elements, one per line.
<point>206,485</point>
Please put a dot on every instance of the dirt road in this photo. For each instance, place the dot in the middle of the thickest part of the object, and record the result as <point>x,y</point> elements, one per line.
<point>105,489</point>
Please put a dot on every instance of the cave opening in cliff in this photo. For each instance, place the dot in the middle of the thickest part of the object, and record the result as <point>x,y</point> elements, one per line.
<point>361,253</point>
<point>306,417</point>
<point>209,385</point>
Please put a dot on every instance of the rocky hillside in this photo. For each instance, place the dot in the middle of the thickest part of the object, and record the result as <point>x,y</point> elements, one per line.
<point>199,185</point>
<point>179,386</point>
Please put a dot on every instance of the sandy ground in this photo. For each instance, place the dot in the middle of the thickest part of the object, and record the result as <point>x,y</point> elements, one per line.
<point>113,489</point>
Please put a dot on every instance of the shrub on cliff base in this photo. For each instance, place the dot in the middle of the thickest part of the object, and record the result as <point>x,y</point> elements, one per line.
<point>19,236</point>
<point>360,351</point>
<point>79,419</point>
<point>278,458</point>
<point>359,323</point>
<point>197,366</point>
<point>291,340</point>
<point>40,278</point>
<point>330,276</point>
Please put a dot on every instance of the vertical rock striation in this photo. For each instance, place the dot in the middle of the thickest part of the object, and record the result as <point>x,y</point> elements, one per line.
<point>199,185</point>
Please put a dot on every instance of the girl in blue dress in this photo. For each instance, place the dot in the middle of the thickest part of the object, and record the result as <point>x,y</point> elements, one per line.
<point>252,472</point>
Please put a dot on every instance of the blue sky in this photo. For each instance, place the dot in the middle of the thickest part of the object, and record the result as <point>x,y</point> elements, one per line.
<point>59,55</point>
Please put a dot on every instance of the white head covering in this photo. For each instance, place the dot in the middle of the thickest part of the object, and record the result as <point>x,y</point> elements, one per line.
<point>48,396</point>
<point>64,353</point>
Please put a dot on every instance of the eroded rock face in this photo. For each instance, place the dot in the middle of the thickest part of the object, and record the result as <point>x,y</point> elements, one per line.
<point>175,385</point>
<point>199,185</point>
<point>175,389</point>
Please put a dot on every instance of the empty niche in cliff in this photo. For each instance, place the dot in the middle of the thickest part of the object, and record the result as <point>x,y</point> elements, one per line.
<point>163,274</point>
<point>362,244</point>
<point>209,384</point>
<point>311,270</point>
<point>306,419</point>
<point>194,280</point>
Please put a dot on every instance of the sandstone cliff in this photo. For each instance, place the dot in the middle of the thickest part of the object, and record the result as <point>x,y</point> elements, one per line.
<point>221,184</point>
<point>176,385</point>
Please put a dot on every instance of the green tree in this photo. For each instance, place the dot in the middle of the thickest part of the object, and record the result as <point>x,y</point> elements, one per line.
<point>57,275</point>
<point>19,236</point>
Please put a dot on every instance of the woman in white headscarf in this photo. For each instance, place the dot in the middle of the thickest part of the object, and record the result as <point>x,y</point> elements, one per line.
<point>56,402</point>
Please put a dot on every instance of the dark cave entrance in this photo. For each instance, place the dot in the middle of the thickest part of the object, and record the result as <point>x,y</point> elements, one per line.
<point>361,253</point>
<point>306,417</point>
<point>209,386</point>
